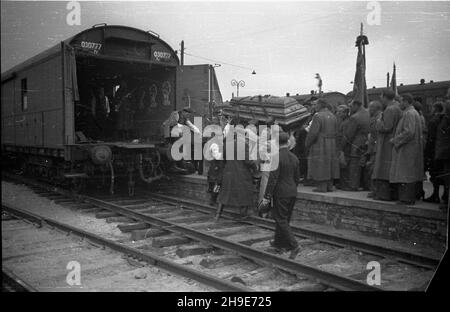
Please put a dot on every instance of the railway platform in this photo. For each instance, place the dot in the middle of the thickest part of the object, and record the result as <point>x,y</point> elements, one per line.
<point>351,213</point>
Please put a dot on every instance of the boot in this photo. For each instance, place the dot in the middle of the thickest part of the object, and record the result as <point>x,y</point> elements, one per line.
<point>330,186</point>
<point>321,187</point>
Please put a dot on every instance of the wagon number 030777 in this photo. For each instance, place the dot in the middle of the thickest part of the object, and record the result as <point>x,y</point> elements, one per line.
<point>95,47</point>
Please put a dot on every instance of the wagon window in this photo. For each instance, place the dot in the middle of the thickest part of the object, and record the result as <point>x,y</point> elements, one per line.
<point>24,94</point>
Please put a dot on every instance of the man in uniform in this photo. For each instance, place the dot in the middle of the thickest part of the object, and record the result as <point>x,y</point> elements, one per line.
<point>407,153</point>
<point>355,138</point>
<point>282,187</point>
<point>432,166</point>
<point>342,115</point>
<point>442,151</point>
<point>323,162</point>
<point>385,126</point>
<point>374,113</point>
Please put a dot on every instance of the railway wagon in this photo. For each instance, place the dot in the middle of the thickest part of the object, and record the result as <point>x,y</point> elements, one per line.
<point>51,105</point>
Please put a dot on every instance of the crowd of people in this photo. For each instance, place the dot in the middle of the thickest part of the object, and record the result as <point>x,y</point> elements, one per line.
<point>386,149</point>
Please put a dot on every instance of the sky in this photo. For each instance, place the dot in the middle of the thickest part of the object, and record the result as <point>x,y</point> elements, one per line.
<point>285,43</point>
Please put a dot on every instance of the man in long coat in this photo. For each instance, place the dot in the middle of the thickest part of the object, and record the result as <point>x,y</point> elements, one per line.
<point>407,153</point>
<point>375,109</point>
<point>342,116</point>
<point>323,162</point>
<point>442,151</point>
<point>433,166</point>
<point>355,138</point>
<point>385,126</point>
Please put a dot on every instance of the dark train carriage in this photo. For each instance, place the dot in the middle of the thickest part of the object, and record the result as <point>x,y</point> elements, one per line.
<point>49,103</point>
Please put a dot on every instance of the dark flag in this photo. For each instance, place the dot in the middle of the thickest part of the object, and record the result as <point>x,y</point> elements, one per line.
<point>359,84</point>
<point>394,81</point>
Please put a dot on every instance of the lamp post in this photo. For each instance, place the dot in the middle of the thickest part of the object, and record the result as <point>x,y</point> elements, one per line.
<point>240,83</point>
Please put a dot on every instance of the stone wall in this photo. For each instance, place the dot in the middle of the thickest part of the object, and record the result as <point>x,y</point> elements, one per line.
<point>373,219</point>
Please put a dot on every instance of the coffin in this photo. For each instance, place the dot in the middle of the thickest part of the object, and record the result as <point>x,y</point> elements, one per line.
<point>287,111</point>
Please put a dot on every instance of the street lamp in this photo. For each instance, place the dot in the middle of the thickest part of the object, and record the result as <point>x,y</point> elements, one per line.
<point>240,83</point>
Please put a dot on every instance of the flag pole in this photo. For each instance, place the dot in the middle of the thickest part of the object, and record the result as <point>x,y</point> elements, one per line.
<point>363,48</point>
<point>359,87</point>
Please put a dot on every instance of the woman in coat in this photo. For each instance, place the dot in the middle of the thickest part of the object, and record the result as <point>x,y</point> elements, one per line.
<point>237,189</point>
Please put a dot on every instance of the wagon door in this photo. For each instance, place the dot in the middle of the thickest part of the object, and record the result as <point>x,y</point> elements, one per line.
<point>198,88</point>
<point>34,129</point>
<point>70,94</point>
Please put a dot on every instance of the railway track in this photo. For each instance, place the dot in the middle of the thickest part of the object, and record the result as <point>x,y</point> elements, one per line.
<point>12,283</point>
<point>128,251</point>
<point>188,226</point>
<point>420,260</point>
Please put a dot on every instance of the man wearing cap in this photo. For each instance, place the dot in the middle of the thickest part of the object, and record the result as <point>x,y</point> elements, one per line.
<point>374,113</point>
<point>385,126</point>
<point>323,162</point>
<point>355,138</point>
<point>407,153</point>
<point>282,187</point>
<point>342,115</point>
<point>442,151</point>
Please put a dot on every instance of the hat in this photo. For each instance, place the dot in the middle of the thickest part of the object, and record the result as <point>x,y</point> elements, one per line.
<point>253,122</point>
<point>188,109</point>
<point>283,138</point>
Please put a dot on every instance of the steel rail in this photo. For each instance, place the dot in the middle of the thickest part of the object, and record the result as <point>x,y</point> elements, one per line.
<point>336,281</point>
<point>401,256</point>
<point>10,278</point>
<point>148,257</point>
